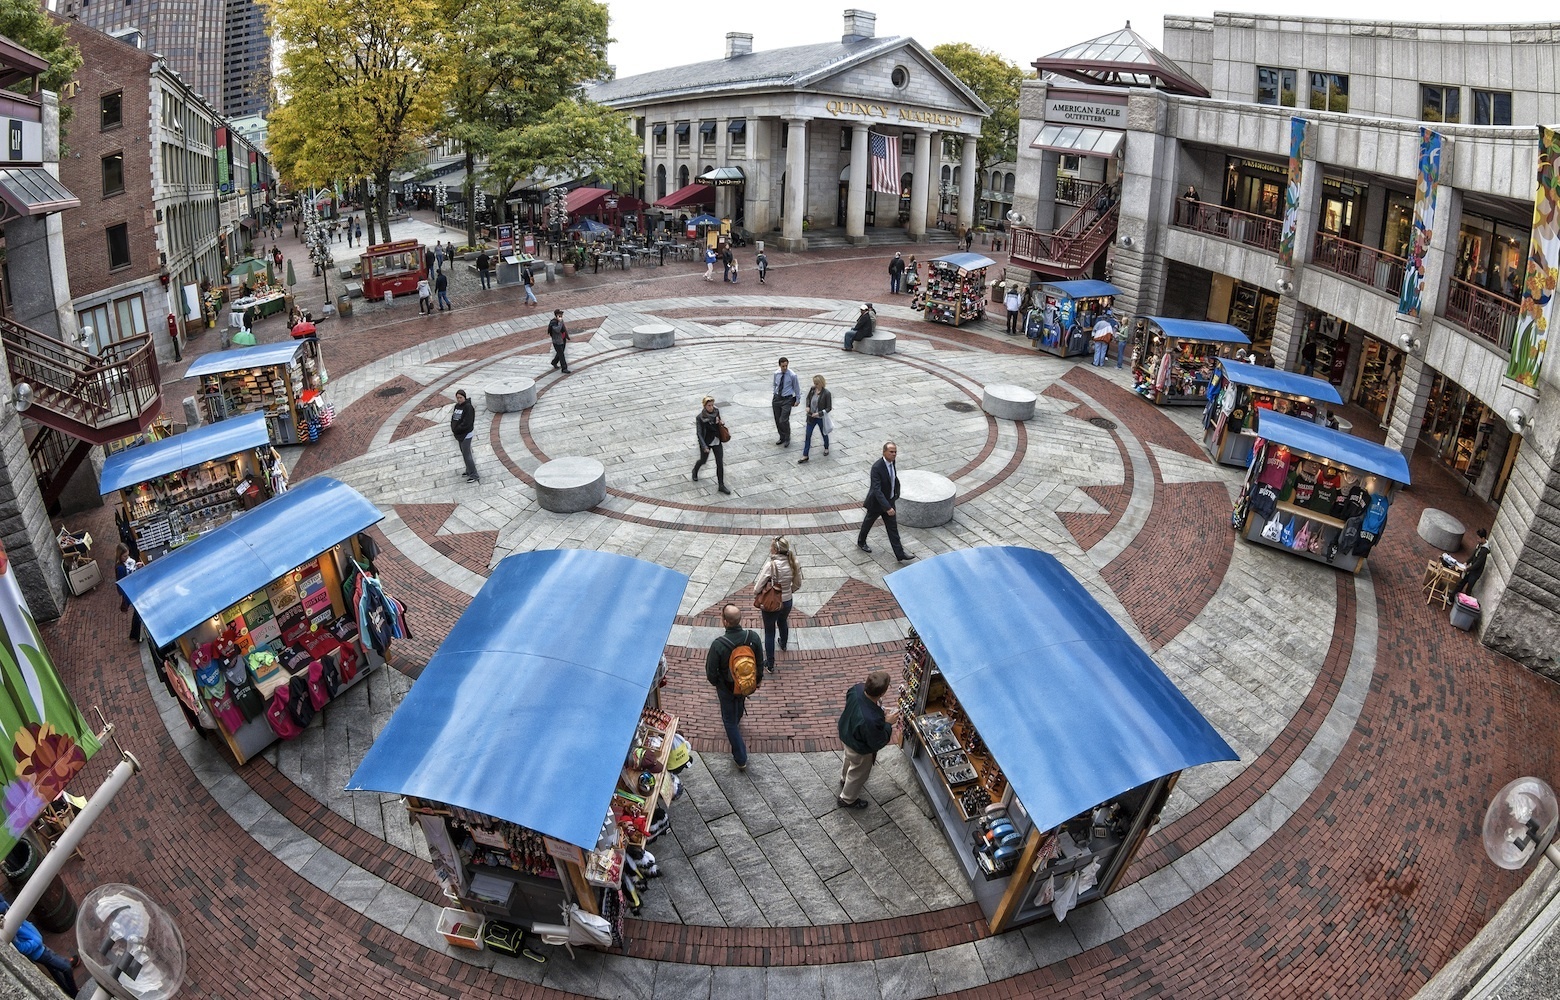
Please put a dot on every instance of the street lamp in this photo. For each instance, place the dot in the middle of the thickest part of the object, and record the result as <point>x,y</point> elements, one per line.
<point>1521,822</point>
<point>129,944</point>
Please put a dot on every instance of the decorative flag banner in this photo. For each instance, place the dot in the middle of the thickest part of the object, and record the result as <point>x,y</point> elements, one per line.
<point>1286,236</point>
<point>883,155</point>
<point>1543,268</point>
<point>224,184</point>
<point>46,739</point>
<point>1427,182</point>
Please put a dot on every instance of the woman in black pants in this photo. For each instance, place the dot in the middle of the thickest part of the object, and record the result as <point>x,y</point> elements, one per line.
<point>782,568</point>
<point>706,430</point>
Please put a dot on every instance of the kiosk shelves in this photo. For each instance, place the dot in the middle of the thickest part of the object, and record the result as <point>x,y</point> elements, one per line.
<point>956,288</point>
<point>1244,391</point>
<point>285,381</point>
<point>513,747</point>
<point>1061,319</point>
<point>1178,358</point>
<point>1021,690</point>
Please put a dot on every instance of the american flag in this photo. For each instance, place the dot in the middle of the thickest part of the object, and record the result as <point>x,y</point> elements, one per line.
<point>884,156</point>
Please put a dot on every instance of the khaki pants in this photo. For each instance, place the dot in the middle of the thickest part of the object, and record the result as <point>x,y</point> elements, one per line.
<point>854,773</point>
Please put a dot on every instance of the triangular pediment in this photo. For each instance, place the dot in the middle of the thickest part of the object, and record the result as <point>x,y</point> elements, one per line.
<point>927,84</point>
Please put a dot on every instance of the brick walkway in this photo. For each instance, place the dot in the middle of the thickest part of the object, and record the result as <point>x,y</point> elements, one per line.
<point>1340,857</point>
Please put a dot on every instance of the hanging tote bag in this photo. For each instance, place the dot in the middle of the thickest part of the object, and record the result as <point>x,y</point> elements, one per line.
<point>1274,529</point>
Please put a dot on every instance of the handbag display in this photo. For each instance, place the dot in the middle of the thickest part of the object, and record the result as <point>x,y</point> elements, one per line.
<point>768,597</point>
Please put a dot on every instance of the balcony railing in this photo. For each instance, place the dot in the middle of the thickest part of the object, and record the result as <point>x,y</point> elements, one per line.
<point>1228,224</point>
<point>1377,268</point>
<point>1067,252</point>
<point>1076,191</point>
<point>1481,312</point>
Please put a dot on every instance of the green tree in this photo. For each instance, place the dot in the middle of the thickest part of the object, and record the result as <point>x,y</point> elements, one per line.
<point>995,81</point>
<point>25,23</point>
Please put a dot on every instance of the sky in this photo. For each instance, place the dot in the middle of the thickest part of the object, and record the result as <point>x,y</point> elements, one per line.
<point>655,35</point>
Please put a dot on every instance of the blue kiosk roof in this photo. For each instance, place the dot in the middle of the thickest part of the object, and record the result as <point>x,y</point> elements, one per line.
<point>1085,288</point>
<point>182,451</point>
<point>1278,380</point>
<point>965,261</point>
<point>1200,329</point>
<point>1326,443</point>
<point>259,356</point>
<point>1070,707</point>
<point>527,710</point>
<point>195,581</point>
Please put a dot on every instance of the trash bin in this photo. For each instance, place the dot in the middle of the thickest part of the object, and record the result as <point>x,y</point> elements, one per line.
<point>344,305</point>
<point>55,910</point>
<point>1465,612</point>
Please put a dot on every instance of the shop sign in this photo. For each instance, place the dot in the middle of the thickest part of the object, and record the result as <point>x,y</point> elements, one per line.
<point>24,141</point>
<point>1092,113</point>
<point>564,852</point>
<point>907,116</point>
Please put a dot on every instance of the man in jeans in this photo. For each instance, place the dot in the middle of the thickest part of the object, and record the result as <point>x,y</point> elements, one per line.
<point>717,670</point>
<point>485,269</point>
<point>864,729</point>
<point>463,424</point>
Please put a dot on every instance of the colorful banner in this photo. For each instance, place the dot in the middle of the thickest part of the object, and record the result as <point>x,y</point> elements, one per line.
<point>47,736</point>
<point>1543,268</point>
<point>224,183</point>
<point>1286,236</point>
<point>1426,183</point>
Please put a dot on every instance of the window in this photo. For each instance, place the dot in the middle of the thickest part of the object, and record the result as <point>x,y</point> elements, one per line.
<point>113,174</point>
<point>682,136</point>
<point>736,131</point>
<point>1329,92</point>
<point>1440,104</point>
<point>118,246</point>
<point>130,317</point>
<point>1491,107</point>
<point>660,135</point>
<point>682,177</point>
<point>707,136</point>
<point>94,326</point>
<point>899,77</point>
<point>1068,161</point>
<point>1276,86</point>
<point>110,111</point>
<point>660,182</point>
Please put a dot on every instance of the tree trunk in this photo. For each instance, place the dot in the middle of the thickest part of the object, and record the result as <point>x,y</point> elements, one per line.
<point>370,212</point>
<point>382,183</point>
<point>471,196</point>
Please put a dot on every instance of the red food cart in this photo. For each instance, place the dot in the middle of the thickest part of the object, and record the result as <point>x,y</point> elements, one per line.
<point>393,267</point>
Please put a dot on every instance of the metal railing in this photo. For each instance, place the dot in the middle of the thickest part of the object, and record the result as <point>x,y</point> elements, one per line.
<point>1481,312</point>
<point>1367,265</point>
<point>48,450</point>
<point>1228,224</point>
<point>1076,191</point>
<point>1064,250</point>
<point>96,390</point>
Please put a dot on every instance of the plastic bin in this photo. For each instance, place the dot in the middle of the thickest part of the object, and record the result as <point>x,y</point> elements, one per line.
<point>1465,612</point>
<point>461,928</point>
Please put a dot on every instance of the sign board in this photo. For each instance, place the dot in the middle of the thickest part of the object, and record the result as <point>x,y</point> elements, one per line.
<point>1094,114</point>
<point>506,241</point>
<point>564,852</point>
<point>529,244</point>
<point>24,142</point>
<point>224,182</point>
<point>192,302</point>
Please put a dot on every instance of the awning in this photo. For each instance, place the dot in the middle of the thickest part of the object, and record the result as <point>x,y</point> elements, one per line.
<point>723,177</point>
<point>183,451</point>
<point>250,223</point>
<point>260,356</point>
<point>737,125</point>
<point>34,191</point>
<point>692,194</point>
<point>1200,330</point>
<point>658,129</point>
<point>527,710</point>
<point>1080,141</point>
<point>706,128</point>
<point>187,586</point>
<point>965,261</point>
<point>1072,710</point>
<point>1323,443</point>
<point>682,128</point>
<point>1086,288</point>
<point>579,198</point>
<point>1278,380</point>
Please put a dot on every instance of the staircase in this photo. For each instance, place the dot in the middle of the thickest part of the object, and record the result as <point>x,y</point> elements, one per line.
<point>55,458</point>
<point>1072,249</point>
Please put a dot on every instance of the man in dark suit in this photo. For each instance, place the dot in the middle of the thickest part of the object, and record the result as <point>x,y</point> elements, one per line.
<point>880,502</point>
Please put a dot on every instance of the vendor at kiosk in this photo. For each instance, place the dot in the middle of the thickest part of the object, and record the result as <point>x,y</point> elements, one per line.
<point>1174,364</point>
<point>1062,314</point>
<point>285,381</point>
<point>1242,392</point>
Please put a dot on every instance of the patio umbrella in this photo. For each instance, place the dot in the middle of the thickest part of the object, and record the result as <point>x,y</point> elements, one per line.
<point>303,329</point>
<point>291,280</point>
<point>247,267</point>
<point>704,220</point>
<point>591,228</point>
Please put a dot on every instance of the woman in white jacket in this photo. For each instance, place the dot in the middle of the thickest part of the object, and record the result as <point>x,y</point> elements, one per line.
<point>780,567</point>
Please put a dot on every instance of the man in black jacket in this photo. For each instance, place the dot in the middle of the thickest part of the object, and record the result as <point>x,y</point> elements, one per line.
<point>864,729</point>
<point>463,424</point>
<point>558,333</point>
<point>880,503</point>
<point>865,324</point>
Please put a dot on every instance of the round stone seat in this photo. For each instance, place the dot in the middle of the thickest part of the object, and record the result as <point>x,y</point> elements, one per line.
<point>511,395</point>
<point>1010,402</point>
<point>654,336</point>
<point>925,499</point>
<point>1441,529</point>
<point>570,484</point>
<point>879,345</point>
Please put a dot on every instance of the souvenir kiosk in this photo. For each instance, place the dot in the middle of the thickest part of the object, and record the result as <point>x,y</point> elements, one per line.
<point>955,288</point>
<point>262,613</point>
<point>175,490</point>
<point>1175,365</point>
<point>529,751</point>
<point>1318,493</point>
<point>1061,320</point>
<point>285,381</point>
<point>393,267</point>
<point>1243,392</point>
<point>1046,739</point>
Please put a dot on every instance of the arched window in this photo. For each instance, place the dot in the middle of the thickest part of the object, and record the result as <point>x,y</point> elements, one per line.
<point>1007,183</point>
<point>956,172</point>
<point>682,177</point>
<point>996,180</point>
<point>947,173</point>
<point>660,182</point>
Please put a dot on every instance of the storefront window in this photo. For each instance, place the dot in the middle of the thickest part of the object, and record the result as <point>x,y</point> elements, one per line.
<point>1381,367</point>
<point>1340,201</point>
<point>1276,86</point>
<point>1329,92</point>
<point>1254,312</point>
<point>1397,227</point>
<point>1490,254</point>
<point>1255,186</point>
<point>1458,427</point>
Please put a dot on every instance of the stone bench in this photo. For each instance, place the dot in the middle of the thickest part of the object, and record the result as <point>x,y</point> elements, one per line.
<point>654,336</point>
<point>880,345</point>
<point>925,499</point>
<point>354,291</point>
<point>1441,529</point>
<point>1010,402</point>
<point>572,484</point>
<point>511,395</point>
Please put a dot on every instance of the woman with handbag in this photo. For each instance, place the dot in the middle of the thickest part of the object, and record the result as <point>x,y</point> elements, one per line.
<point>772,591</point>
<point>819,402</point>
<point>711,433</point>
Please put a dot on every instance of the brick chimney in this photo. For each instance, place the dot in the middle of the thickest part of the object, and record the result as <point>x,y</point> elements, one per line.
<point>738,44</point>
<point>859,25</point>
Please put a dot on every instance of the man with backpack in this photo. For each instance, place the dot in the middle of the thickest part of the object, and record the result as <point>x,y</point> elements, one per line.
<point>732,670</point>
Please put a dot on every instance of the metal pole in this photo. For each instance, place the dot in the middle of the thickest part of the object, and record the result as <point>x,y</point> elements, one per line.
<point>1553,854</point>
<point>22,906</point>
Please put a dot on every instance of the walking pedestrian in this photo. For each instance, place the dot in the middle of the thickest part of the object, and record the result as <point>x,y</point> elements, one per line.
<point>428,259</point>
<point>528,282</point>
<point>558,333</point>
<point>29,942</point>
<point>864,729</point>
<point>912,277</point>
<point>881,497</point>
<point>726,260</point>
<point>763,266</point>
<point>782,570</point>
<point>866,322</point>
<point>1123,340</point>
<point>124,565</point>
<point>438,256</point>
<point>896,272</point>
<point>424,297</point>
<point>707,431</point>
<point>463,424</point>
<point>732,668</point>
<point>709,263</point>
<point>787,392</point>
<point>484,269</point>
<point>349,232</point>
<point>359,227</point>
<point>441,284</point>
<point>1013,303</point>
<point>819,402</point>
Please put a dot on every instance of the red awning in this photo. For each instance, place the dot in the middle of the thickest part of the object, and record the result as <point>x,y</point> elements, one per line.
<point>693,194</point>
<point>582,198</point>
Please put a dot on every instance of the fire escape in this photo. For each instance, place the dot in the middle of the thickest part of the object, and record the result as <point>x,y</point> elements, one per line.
<point>1071,250</point>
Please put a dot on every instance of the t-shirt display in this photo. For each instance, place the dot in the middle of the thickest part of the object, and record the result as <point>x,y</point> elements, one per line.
<point>1329,512</point>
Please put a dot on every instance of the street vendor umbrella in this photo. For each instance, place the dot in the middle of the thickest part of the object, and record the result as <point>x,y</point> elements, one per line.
<point>704,220</point>
<point>291,280</point>
<point>246,267</point>
<point>303,329</point>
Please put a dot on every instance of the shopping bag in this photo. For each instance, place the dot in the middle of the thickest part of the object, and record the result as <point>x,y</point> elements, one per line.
<point>827,423</point>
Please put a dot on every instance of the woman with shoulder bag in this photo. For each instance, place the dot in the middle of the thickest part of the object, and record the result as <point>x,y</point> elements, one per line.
<point>819,402</point>
<point>710,432</point>
<point>772,591</point>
